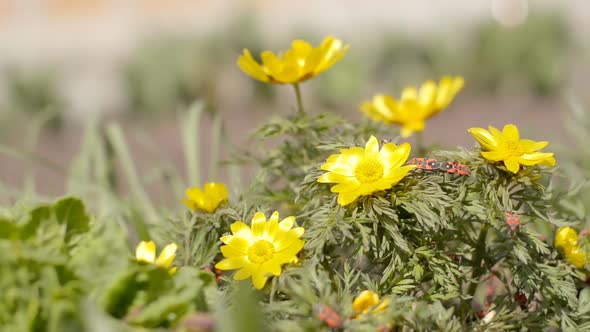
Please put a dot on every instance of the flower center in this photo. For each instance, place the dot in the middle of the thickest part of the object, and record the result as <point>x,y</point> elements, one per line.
<point>261,251</point>
<point>368,171</point>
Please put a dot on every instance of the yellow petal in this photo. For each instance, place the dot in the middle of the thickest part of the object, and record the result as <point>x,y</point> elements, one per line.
<point>232,263</point>
<point>249,66</point>
<point>534,158</point>
<point>271,227</point>
<point>189,204</point>
<point>167,255</point>
<point>287,239</point>
<point>365,300</point>
<point>347,198</point>
<point>258,223</point>
<point>287,223</point>
<point>273,66</point>
<point>246,271</point>
<point>566,238</point>
<point>576,256</point>
<point>372,147</point>
<point>485,138</point>
<point>510,133</point>
<point>332,178</point>
<point>146,252</point>
<point>270,267</point>
<point>550,161</point>
<point>258,280</point>
<point>340,167</point>
<point>529,146</point>
<point>394,156</point>
<point>494,155</point>
<point>240,229</point>
<point>427,94</point>
<point>345,186</point>
<point>229,252</point>
<point>409,94</point>
<point>237,243</point>
<point>512,164</point>
<point>172,271</point>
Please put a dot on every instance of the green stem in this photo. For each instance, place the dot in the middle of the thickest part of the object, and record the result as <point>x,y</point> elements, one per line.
<point>419,144</point>
<point>476,263</point>
<point>299,100</point>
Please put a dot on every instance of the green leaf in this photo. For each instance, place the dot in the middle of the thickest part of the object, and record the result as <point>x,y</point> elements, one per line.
<point>70,211</point>
<point>120,295</point>
<point>8,229</point>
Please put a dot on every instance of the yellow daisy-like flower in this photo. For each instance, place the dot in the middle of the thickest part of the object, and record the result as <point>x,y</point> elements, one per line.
<point>368,301</point>
<point>360,172</point>
<point>566,238</point>
<point>297,64</point>
<point>260,251</point>
<point>207,199</point>
<point>146,252</point>
<point>506,146</point>
<point>415,106</point>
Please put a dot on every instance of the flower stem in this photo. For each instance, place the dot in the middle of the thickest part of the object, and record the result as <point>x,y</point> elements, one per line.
<point>299,100</point>
<point>419,143</point>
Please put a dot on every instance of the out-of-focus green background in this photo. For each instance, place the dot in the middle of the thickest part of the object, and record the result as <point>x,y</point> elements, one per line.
<point>142,63</point>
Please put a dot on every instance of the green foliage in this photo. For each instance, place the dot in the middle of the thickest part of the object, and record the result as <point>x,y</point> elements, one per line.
<point>517,55</point>
<point>56,264</point>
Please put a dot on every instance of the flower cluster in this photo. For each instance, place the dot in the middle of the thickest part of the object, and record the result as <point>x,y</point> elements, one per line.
<point>566,239</point>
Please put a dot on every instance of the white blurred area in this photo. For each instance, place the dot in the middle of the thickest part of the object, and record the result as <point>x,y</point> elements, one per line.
<point>93,37</point>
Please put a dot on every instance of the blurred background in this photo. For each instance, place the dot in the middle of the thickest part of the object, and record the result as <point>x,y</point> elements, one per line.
<point>142,63</point>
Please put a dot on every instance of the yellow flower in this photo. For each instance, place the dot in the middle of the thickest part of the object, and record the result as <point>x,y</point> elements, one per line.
<point>146,252</point>
<point>566,238</point>
<point>297,64</point>
<point>415,106</point>
<point>209,199</point>
<point>369,301</point>
<point>507,146</point>
<point>360,172</point>
<point>260,251</point>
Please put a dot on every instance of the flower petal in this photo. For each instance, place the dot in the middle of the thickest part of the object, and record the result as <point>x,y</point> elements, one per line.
<point>512,164</point>
<point>529,146</point>
<point>146,252</point>
<point>394,156</point>
<point>258,280</point>
<point>258,223</point>
<point>246,272</point>
<point>229,252</point>
<point>249,66</point>
<point>232,263</point>
<point>487,140</point>
<point>240,229</point>
<point>167,255</point>
<point>510,133</point>
<point>347,198</point>
<point>372,147</point>
<point>237,243</point>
